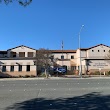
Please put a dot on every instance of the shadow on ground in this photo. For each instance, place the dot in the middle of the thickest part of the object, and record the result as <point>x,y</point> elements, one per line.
<point>92,101</point>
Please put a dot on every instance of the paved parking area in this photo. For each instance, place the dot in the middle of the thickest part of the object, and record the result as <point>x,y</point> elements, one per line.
<point>55,94</point>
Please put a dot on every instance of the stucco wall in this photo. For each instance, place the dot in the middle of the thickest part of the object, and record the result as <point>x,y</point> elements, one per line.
<point>97,54</point>
<point>21,49</point>
<point>24,64</point>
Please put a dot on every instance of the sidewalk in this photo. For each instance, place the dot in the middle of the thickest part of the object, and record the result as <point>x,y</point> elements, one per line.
<point>57,78</point>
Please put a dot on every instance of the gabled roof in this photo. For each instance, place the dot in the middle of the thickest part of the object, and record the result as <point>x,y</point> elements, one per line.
<point>21,46</point>
<point>94,47</point>
<point>63,51</point>
<point>99,45</point>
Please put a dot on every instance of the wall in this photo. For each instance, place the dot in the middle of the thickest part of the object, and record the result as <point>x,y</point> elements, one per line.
<point>97,54</point>
<point>21,49</point>
<point>8,63</point>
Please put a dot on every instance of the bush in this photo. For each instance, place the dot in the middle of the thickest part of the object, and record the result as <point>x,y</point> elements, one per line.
<point>32,76</point>
<point>42,75</point>
<point>26,76</point>
<point>95,73</point>
<point>108,73</point>
<point>20,76</point>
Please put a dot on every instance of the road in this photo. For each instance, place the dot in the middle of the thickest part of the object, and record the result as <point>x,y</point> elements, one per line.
<point>55,94</point>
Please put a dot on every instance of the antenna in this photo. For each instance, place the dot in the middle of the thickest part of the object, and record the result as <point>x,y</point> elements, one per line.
<point>62,52</point>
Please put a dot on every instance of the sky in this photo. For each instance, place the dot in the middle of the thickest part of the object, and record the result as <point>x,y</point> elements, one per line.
<point>45,23</point>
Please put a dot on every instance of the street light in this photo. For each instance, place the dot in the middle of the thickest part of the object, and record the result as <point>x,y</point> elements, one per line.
<point>80,66</point>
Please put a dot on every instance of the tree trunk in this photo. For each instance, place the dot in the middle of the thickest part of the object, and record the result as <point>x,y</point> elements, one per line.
<point>46,73</point>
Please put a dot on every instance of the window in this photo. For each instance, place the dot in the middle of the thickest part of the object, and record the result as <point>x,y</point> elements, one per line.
<point>104,50</point>
<point>28,68</point>
<point>13,54</point>
<point>78,67</point>
<point>72,57</point>
<point>30,54</point>
<point>21,54</point>
<point>11,68</point>
<point>92,50</point>
<point>98,50</point>
<point>73,68</point>
<point>19,67</point>
<point>52,57</point>
<point>3,68</point>
<point>62,57</point>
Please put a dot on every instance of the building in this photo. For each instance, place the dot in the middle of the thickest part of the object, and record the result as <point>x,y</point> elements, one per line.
<point>20,60</point>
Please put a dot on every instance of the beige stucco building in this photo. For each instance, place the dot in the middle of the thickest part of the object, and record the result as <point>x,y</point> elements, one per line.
<point>20,60</point>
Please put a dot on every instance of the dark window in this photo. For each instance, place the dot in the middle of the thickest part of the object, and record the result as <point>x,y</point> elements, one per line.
<point>11,68</point>
<point>13,54</point>
<point>92,50</point>
<point>3,68</point>
<point>98,50</point>
<point>78,67</point>
<point>28,68</point>
<point>19,67</point>
<point>104,50</point>
<point>72,57</point>
<point>73,68</point>
<point>21,54</point>
<point>52,57</point>
<point>62,57</point>
<point>30,54</point>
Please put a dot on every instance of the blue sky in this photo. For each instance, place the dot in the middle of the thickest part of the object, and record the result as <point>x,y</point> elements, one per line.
<point>45,23</point>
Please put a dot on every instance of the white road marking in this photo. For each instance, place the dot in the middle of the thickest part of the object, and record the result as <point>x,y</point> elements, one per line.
<point>88,83</point>
<point>10,90</point>
<point>98,83</point>
<point>78,83</point>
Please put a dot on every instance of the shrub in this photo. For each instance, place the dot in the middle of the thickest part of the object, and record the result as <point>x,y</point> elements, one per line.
<point>32,76</point>
<point>95,73</point>
<point>108,73</point>
<point>26,76</point>
<point>20,76</point>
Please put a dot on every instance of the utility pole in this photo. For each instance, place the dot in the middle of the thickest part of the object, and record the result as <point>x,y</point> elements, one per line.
<point>62,53</point>
<point>80,65</point>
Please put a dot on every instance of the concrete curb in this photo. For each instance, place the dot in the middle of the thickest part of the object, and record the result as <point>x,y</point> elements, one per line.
<point>51,78</point>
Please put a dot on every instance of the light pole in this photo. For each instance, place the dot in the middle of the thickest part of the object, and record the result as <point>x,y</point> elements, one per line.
<point>80,65</point>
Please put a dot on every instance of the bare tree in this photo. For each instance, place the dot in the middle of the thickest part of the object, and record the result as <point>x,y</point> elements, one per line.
<point>43,59</point>
<point>21,2</point>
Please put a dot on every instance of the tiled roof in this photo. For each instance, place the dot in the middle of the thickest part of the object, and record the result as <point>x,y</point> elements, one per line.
<point>63,51</point>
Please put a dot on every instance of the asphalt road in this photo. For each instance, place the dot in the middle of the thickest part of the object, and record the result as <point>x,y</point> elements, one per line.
<point>55,94</point>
